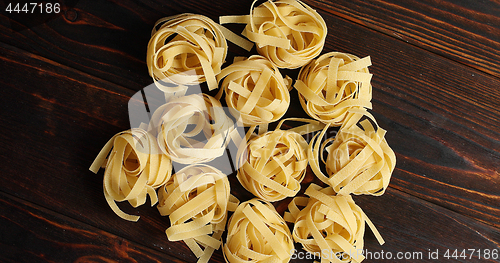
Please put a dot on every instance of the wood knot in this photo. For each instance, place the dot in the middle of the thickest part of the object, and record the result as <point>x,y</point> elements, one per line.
<point>71,15</point>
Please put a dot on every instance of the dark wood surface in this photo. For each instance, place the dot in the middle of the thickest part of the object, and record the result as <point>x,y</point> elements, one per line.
<point>65,85</point>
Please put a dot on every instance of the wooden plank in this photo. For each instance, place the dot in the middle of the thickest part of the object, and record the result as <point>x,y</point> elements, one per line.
<point>104,39</point>
<point>465,31</point>
<point>447,143</point>
<point>58,119</point>
<point>445,133</point>
<point>95,37</point>
<point>409,224</point>
<point>31,233</point>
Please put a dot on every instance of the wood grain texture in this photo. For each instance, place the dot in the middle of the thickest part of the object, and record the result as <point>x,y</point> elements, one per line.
<point>54,132</point>
<point>59,179</point>
<point>66,85</point>
<point>34,234</point>
<point>107,39</point>
<point>466,31</point>
<point>93,37</point>
<point>419,228</point>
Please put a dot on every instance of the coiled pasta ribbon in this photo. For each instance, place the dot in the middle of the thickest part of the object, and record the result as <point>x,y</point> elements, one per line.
<point>134,168</point>
<point>257,233</point>
<point>185,49</point>
<point>359,160</point>
<point>329,224</point>
<point>197,199</point>
<point>332,85</point>
<point>287,32</point>
<point>256,89</point>
<point>193,129</point>
<point>273,164</point>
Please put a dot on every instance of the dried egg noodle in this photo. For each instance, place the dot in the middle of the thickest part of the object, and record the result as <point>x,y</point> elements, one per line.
<point>257,233</point>
<point>197,199</point>
<point>274,165</point>
<point>133,169</point>
<point>332,84</point>
<point>187,49</point>
<point>193,129</point>
<point>256,89</point>
<point>329,225</point>
<point>287,32</point>
<point>359,160</point>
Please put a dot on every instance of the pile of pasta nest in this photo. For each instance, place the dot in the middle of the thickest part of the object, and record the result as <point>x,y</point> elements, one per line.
<point>334,90</point>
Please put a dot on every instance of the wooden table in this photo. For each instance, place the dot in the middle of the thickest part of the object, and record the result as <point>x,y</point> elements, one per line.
<point>66,83</point>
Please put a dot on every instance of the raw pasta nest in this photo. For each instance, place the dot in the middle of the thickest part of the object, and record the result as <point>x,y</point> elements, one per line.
<point>328,225</point>
<point>257,233</point>
<point>332,85</point>
<point>197,199</point>
<point>359,160</point>
<point>185,49</point>
<point>287,32</point>
<point>193,129</point>
<point>133,169</point>
<point>273,165</point>
<point>256,90</point>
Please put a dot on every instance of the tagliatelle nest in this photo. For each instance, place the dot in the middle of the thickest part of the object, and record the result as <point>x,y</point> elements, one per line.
<point>197,199</point>
<point>287,32</point>
<point>193,129</point>
<point>186,49</point>
<point>134,168</point>
<point>359,160</point>
<point>329,225</point>
<point>257,233</point>
<point>273,165</point>
<point>332,85</point>
<point>256,89</point>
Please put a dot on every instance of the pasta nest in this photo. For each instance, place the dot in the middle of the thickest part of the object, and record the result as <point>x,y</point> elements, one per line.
<point>185,49</point>
<point>197,199</point>
<point>332,85</point>
<point>134,168</point>
<point>273,165</point>
<point>287,32</point>
<point>329,226</point>
<point>255,88</point>
<point>359,160</point>
<point>193,129</point>
<point>257,233</point>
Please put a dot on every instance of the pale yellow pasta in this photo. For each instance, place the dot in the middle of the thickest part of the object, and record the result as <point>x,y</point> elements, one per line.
<point>332,85</point>
<point>197,199</point>
<point>257,233</point>
<point>359,160</point>
<point>287,32</point>
<point>273,165</point>
<point>134,168</point>
<point>256,90</point>
<point>193,129</point>
<point>328,225</point>
<point>185,49</point>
